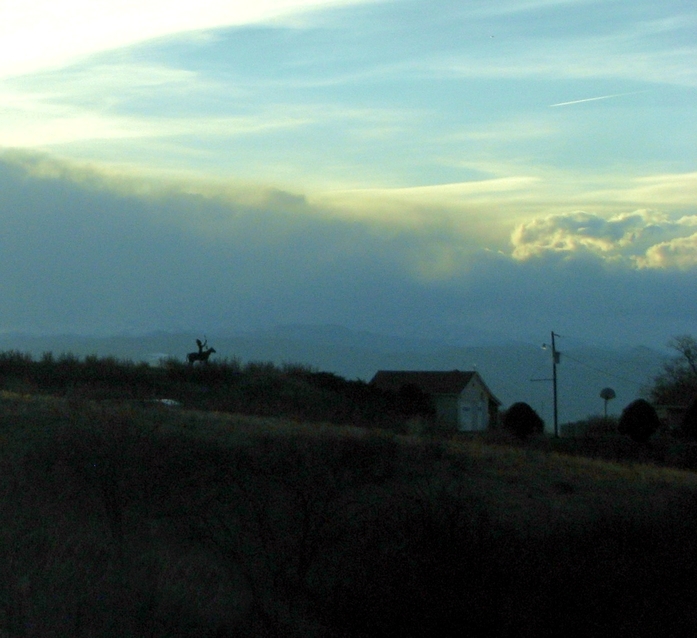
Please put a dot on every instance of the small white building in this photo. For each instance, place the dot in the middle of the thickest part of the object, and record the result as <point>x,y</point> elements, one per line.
<point>461,399</point>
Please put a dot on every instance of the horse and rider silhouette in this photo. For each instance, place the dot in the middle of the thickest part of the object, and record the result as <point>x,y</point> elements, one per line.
<point>203,353</point>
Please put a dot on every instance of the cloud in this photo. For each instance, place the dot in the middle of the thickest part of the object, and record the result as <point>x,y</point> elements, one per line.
<point>643,238</point>
<point>581,41</point>
<point>125,102</point>
<point>99,251</point>
<point>675,190</point>
<point>39,34</point>
<point>679,253</point>
<point>366,96</point>
<point>83,248</point>
<point>458,190</point>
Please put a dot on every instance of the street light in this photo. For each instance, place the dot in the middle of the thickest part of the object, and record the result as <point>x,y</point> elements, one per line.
<point>556,358</point>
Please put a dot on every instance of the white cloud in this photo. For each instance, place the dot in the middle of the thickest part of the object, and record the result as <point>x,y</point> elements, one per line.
<point>679,253</point>
<point>159,254</point>
<point>644,238</point>
<point>457,190</point>
<point>47,117</point>
<point>135,100</point>
<point>660,51</point>
<point>677,189</point>
<point>585,60</point>
<point>40,34</point>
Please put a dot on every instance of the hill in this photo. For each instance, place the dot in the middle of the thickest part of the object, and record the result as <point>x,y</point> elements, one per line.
<point>120,520</point>
<point>507,367</point>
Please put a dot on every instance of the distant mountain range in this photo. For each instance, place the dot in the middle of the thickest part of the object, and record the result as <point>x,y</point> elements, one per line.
<point>514,371</point>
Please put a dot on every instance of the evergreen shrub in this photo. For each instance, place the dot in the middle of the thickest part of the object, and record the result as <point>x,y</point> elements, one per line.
<point>522,420</point>
<point>639,421</point>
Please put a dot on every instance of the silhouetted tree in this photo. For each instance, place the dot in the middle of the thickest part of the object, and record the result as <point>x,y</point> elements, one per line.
<point>523,421</point>
<point>688,427</point>
<point>677,383</point>
<point>639,421</point>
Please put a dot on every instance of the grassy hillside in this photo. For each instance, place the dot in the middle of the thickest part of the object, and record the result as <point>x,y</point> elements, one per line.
<point>505,366</point>
<point>259,389</point>
<point>120,520</point>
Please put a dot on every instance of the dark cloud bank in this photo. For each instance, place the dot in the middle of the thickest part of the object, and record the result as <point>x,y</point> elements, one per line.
<point>78,256</point>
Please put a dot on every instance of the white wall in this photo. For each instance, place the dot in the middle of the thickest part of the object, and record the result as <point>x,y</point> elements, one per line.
<point>473,407</point>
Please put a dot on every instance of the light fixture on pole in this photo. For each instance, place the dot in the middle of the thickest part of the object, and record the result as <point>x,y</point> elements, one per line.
<point>556,358</point>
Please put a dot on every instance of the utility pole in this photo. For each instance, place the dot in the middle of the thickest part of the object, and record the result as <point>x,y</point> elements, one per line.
<point>555,361</point>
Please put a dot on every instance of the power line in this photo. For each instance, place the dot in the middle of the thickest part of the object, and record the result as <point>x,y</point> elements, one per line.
<point>538,372</point>
<point>609,374</point>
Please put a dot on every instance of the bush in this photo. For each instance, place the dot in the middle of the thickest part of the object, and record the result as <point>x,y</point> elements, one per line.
<point>523,421</point>
<point>639,421</point>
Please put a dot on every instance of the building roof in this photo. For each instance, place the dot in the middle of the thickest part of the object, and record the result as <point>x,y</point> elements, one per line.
<point>428,381</point>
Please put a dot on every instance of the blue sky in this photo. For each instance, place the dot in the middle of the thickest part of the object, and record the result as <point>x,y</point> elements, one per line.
<point>402,166</point>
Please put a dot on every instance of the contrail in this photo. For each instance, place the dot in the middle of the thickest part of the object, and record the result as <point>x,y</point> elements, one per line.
<point>593,99</point>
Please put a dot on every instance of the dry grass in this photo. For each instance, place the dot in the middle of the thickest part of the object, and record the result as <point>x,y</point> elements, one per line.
<point>535,490</point>
<point>201,524</point>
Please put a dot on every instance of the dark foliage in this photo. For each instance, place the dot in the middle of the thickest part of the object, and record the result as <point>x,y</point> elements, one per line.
<point>523,421</point>
<point>688,427</point>
<point>639,421</point>
<point>296,535</point>
<point>677,383</point>
<point>259,389</point>
<point>591,426</point>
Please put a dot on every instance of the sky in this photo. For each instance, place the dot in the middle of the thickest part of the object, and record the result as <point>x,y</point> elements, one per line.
<point>435,169</point>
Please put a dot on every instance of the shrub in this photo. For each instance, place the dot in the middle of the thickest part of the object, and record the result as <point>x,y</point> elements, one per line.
<point>639,421</point>
<point>523,421</point>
